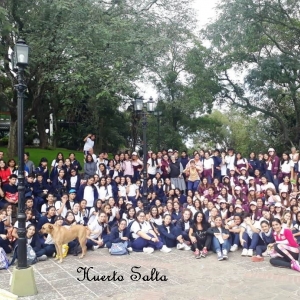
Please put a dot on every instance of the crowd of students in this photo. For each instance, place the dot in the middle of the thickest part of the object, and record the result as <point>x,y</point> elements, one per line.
<point>219,201</point>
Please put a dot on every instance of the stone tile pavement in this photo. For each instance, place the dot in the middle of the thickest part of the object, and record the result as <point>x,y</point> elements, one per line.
<point>188,278</point>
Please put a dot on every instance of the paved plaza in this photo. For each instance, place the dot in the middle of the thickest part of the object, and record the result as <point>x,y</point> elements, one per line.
<point>188,278</point>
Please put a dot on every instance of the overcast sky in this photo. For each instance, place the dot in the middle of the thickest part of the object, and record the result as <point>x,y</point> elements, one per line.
<point>205,10</point>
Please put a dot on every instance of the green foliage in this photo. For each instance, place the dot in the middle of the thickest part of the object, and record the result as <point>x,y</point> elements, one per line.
<point>255,57</point>
<point>85,58</point>
<point>233,128</point>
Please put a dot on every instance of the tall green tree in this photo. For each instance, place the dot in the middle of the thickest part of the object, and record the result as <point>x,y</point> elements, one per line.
<point>255,56</point>
<point>91,50</point>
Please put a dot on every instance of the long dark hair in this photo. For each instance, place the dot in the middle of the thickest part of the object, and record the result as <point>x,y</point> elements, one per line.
<point>288,158</point>
<point>297,221</point>
<point>58,159</point>
<point>204,223</point>
<point>86,159</point>
<point>5,165</point>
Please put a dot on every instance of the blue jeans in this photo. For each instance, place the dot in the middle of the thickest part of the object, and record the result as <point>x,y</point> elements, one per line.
<point>140,243</point>
<point>251,243</point>
<point>271,178</point>
<point>217,247</point>
<point>234,238</point>
<point>193,185</point>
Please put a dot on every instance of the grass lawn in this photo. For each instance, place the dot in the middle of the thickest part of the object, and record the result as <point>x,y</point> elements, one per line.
<point>36,154</point>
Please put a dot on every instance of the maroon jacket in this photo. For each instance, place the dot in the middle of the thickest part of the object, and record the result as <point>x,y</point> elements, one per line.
<point>275,165</point>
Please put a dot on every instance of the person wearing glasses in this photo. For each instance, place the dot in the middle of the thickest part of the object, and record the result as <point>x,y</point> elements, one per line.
<point>143,236</point>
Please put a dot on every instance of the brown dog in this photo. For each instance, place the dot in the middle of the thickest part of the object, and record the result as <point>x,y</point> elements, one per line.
<point>62,235</point>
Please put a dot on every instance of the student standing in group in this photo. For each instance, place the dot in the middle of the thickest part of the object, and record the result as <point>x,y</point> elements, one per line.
<point>90,167</point>
<point>273,167</point>
<point>286,166</point>
<point>89,141</point>
<point>29,164</point>
<point>230,160</point>
<point>75,164</point>
<point>4,172</point>
<point>88,192</point>
<point>294,155</point>
<point>192,173</point>
<point>208,167</point>
<point>176,170</point>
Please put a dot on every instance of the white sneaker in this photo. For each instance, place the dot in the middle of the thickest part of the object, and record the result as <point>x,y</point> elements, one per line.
<point>244,252</point>
<point>165,249</point>
<point>96,247</point>
<point>234,247</point>
<point>148,250</point>
<point>186,247</point>
<point>250,252</point>
<point>42,258</point>
<point>180,246</point>
<point>129,249</point>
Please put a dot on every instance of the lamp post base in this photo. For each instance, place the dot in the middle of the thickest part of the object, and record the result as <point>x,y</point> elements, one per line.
<point>23,282</point>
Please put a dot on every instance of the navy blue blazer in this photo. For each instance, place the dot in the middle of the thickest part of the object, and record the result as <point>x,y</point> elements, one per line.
<point>76,165</point>
<point>43,220</point>
<point>39,187</point>
<point>180,224</point>
<point>114,235</point>
<point>162,229</point>
<point>77,185</point>
<point>80,193</point>
<point>41,170</point>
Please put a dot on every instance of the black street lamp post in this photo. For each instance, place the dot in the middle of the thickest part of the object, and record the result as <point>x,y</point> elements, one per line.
<point>157,114</point>
<point>143,109</point>
<point>23,281</point>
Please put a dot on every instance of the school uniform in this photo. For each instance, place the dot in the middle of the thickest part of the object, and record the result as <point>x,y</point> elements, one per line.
<point>138,243</point>
<point>75,164</point>
<point>184,227</point>
<point>116,235</point>
<point>169,234</point>
<point>39,195</point>
<point>36,245</point>
<point>253,163</point>
<point>98,230</point>
<point>73,182</point>
<point>217,166</point>
<point>267,238</point>
<point>89,193</point>
<point>251,238</point>
<point>59,186</point>
<point>43,220</point>
<point>296,229</point>
<point>4,243</point>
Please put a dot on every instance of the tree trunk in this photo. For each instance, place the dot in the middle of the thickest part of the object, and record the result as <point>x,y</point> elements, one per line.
<point>41,129</point>
<point>13,137</point>
<point>55,130</point>
<point>99,137</point>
